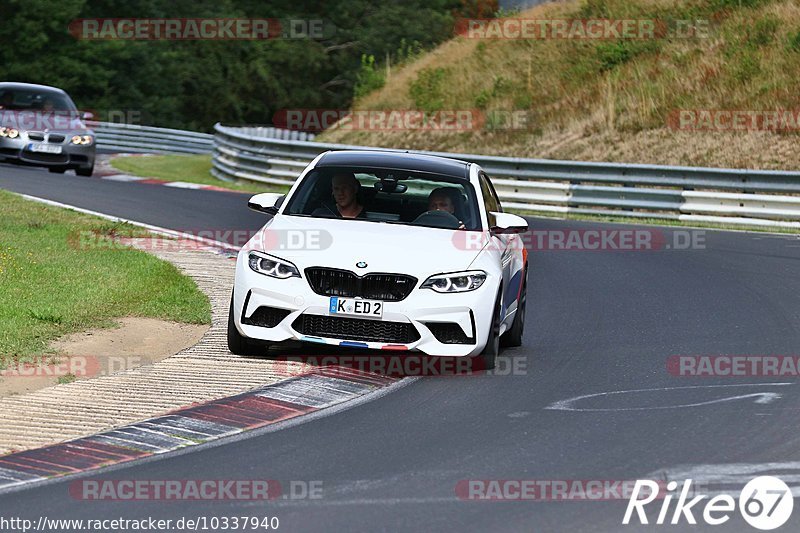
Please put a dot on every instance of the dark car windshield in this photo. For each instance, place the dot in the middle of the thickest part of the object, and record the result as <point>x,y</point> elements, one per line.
<point>390,196</point>
<point>34,100</point>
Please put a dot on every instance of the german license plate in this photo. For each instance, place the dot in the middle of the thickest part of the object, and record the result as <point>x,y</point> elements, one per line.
<point>355,307</point>
<point>44,148</point>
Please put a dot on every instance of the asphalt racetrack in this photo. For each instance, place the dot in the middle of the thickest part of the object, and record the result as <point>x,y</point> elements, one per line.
<point>589,396</point>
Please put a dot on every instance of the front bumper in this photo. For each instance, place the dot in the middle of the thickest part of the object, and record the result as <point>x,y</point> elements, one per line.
<point>422,311</point>
<point>71,156</point>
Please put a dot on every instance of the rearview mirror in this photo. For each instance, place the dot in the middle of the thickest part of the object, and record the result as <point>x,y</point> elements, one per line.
<point>268,202</point>
<point>390,185</point>
<point>508,223</point>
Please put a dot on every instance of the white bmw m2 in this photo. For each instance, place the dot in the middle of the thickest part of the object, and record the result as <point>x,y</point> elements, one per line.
<point>383,251</point>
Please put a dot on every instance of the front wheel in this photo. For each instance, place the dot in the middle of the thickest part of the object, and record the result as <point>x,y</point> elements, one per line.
<point>85,171</point>
<point>491,351</point>
<point>239,344</point>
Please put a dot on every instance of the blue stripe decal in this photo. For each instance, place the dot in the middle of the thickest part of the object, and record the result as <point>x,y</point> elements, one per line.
<point>354,344</point>
<point>511,292</point>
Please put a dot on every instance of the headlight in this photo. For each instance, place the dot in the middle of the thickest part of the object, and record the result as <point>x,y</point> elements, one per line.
<point>11,133</point>
<point>81,139</point>
<point>272,266</point>
<point>455,282</point>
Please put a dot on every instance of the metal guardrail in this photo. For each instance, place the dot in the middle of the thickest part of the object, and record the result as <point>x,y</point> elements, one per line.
<point>691,194</point>
<point>147,139</point>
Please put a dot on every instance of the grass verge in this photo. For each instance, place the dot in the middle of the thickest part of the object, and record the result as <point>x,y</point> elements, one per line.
<point>51,286</point>
<point>188,168</point>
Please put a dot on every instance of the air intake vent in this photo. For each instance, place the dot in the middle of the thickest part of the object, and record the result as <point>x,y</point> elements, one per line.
<point>266,317</point>
<point>356,329</point>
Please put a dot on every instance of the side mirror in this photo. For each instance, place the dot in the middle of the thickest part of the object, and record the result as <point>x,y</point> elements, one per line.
<point>87,115</point>
<point>508,223</point>
<point>268,202</point>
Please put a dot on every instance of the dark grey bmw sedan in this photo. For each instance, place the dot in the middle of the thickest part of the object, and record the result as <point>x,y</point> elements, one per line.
<point>41,126</point>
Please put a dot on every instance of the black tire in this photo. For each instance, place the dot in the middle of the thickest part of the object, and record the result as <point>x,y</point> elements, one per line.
<point>57,170</point>
<point>513,337</point>
<point>239,344</point>
<point>491,351</point>
<point>85,171</point>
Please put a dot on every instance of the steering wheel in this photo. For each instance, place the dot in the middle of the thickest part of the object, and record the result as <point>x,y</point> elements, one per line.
<point>438,219</point>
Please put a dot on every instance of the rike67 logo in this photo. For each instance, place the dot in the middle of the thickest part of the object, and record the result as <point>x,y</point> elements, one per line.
<point>765,503</point>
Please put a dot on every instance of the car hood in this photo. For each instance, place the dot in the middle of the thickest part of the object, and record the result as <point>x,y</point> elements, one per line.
<point>384,247</point>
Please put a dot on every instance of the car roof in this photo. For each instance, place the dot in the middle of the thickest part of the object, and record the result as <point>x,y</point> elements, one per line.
<point>29,86</point>
<point>396,160</point>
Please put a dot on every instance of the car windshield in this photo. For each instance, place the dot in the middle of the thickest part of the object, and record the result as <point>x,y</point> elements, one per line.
<point>388,196</point>
<point>33,100</point>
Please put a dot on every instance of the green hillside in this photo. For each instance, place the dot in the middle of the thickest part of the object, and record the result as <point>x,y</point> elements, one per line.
<point>616,99</point>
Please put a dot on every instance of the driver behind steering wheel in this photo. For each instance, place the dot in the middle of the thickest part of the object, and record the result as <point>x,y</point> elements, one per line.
<point>441,199</point>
